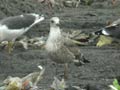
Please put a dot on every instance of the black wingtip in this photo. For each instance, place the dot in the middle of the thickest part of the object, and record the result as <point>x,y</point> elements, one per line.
<point>99,32</point>
<point>81,61</point>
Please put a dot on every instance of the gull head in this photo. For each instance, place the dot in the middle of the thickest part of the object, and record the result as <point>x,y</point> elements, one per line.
<point>38,18</point>
<point>54,21</point>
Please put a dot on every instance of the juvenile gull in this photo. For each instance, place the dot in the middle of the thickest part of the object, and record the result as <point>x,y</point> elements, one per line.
<point>57,49</point>
<point>13,27</point>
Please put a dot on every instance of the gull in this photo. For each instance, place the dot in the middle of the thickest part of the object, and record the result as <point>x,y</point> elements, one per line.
<point>56,48</point>
<point>112,30</point>
<point>13,27</point>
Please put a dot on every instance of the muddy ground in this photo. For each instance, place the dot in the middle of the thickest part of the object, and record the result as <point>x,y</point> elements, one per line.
<point>104,62</point>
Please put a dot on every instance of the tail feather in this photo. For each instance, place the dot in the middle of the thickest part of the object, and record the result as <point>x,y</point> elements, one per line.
<point>81,61</point>
<point>98,32</point>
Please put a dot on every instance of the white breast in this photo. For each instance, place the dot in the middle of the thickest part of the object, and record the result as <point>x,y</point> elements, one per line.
<point>9,35</point>
<point>53,42</point>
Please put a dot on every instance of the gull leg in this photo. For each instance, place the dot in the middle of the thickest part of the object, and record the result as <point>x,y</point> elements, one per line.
<point>10,47</point>
<point>65,71</point>
<point>56,70</point>
<point>77,4</point>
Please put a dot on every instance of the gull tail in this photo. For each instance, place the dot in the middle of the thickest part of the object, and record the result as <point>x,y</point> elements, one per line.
<point>99,32</point>
<point>81,61</point>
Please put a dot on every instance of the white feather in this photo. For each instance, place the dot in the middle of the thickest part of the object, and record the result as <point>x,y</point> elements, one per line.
<point>52,42</point>
<point>8,35</point>
<point>112,87</point>
<point>105,32</point>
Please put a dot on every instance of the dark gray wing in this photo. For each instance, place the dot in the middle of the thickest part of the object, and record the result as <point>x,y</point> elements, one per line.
<point>18,22</point>
<point>114,31</point>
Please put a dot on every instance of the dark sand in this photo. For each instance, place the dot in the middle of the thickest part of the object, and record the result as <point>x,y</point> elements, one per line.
<point>104,65</point>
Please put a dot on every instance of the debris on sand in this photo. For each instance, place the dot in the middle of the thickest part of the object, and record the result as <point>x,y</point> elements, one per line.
<point>114,2</point>
<point>36,42</point>
<point>26,43</point>
<point>79,37</point>
<point>62,3</point>
<point>13,83</point>
<point>116,85</point>
<point>58,85</point>
<point>51,3</point>
<point>62,85</point>
<point>87,2</point>
<point>28,82</point>
<point>104,40</point>
<point>71,3</point>
<point>31,80</point>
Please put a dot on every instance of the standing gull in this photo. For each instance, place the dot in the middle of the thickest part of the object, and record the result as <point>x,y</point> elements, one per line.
<point>13,27</point>
<point>56,48</point>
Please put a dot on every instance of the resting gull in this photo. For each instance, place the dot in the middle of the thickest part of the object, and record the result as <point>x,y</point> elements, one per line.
<point>112,30</point>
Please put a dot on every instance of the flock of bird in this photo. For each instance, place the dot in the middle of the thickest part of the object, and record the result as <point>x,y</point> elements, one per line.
<point>13,27</point>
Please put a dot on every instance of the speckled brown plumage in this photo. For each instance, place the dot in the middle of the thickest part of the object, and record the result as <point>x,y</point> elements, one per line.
<point>57,48</point>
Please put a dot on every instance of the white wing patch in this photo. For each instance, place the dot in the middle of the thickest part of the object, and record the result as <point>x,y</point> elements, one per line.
<point>105,32</point>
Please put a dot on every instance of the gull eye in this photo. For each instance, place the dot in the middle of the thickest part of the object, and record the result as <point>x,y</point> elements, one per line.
<point>52,21</point>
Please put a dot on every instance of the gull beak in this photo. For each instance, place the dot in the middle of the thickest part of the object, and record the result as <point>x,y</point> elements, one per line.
<point>41,18</point>
<point>58,24</point>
